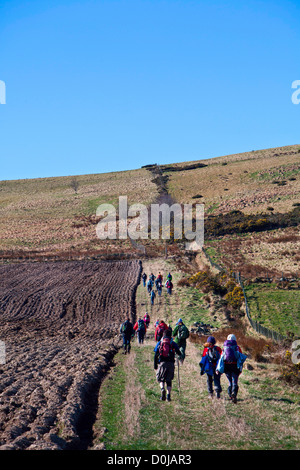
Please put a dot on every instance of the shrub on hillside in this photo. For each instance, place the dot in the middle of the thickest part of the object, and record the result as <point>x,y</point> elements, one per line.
<point>290,371</point>
<point>207,283</point>
<point>238,222</point>
<point>183,282</point>
<point>235,297</point>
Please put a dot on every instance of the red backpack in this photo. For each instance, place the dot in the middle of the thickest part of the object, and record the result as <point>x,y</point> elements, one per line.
<point>166,350</point>
<point>160,330</point>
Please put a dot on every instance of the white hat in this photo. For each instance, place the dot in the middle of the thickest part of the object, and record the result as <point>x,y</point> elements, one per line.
<point>231,338</point>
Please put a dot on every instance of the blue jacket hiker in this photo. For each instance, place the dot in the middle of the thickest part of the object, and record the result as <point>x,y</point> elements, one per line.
<point>231,363</point>
<point>210,357</point>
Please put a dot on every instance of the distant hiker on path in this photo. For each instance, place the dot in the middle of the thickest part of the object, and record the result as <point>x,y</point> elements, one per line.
<point>164,363</point>
<point>231,363</point>
<point>127,332</point>
<point>149,286</point>
<point>159,330</point>
<point>144,277</point>
<point>140,329</point>
<point>169,286</point>
<point>159,288</point>
<point>152,297</point>
<point>210,357</point>
<point>147,319</point>
<point>181,334</point>
<point>157,283</point>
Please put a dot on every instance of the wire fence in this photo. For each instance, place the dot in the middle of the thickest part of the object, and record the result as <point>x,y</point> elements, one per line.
<point>268,333</point>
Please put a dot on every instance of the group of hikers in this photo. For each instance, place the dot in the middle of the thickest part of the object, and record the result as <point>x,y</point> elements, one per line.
<point>171,346</point>
<point>215,362</point>
<point>157,282</point>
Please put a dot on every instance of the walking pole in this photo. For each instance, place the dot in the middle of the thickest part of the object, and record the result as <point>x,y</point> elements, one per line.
<point>178,377</point>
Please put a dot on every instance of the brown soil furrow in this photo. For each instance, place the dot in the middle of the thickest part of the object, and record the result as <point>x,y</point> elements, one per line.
<point>59,322</point>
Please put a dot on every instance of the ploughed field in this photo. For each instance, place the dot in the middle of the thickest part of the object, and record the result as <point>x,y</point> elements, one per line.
<point>59,322</point>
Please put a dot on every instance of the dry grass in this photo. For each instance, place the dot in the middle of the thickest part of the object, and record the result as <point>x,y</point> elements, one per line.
<point>47,215</point>
<point>227,183</point>
<point>257,348</point>
<point>262,253</point>
<point>133,397</point>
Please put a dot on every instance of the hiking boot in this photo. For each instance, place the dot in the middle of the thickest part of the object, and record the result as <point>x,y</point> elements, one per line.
<point>233,399</point>
<point>163,395</point>
<point>218,395</point>
<point>168,397</point>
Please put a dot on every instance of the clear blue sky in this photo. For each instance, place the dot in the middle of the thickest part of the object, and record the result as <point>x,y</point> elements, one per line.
<point>108,85</point>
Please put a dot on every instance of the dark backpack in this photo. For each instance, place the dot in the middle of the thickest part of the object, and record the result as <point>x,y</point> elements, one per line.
<point>141,325</point>
<point>213,355</point>
<point>166,351</point>
<point>124,327</point>
<point>183,332</point>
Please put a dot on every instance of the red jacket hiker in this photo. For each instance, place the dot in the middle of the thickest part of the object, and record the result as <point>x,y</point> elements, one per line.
<point>161,327</point>
<point>136,325</point>
<point>208,346</point>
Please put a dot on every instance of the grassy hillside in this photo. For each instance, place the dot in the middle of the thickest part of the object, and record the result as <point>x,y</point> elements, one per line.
<point>251,181</point>
<point>55,215</point>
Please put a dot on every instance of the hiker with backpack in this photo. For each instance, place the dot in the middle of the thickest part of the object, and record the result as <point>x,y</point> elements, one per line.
<point>159,288</point>
<point>152,297</point>
<point>180,335</point>
<point>127,333</point>
<point>169,286</point>
<point>147,319</point>
<point>164,363</point>
<point>231,363</point>
<point>210,357</point>
<point>149,286</point>
<point>144,277</point>
<point>140,329</point>
<point>159,330</point>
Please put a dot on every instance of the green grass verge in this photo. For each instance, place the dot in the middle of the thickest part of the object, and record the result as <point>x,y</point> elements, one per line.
<point>273,308</point>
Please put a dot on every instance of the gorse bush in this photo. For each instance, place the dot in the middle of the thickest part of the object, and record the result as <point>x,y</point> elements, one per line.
<point>220,284</point>
<point>207,283</point>
<point>290,371</point>
<point>235,297</point>
<point>238,222</point>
